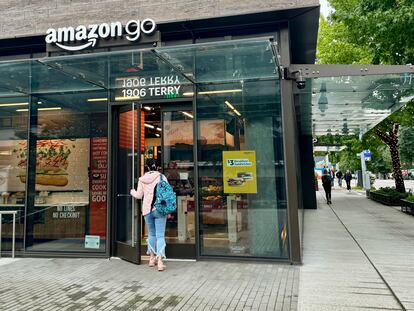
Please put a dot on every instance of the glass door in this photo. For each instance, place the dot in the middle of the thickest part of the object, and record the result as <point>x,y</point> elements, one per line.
<point>125,164</point>
<point>168,139</point>
<point>178,166</point>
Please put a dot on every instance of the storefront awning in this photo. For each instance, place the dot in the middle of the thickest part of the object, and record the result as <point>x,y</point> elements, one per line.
<point>354,101</point>
<point>218,62</point>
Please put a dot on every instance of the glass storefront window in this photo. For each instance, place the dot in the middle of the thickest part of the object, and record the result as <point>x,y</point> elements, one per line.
<point>242,197</point>
<point>63,155</point>
<point>13,136</point>
<point>69,178</point>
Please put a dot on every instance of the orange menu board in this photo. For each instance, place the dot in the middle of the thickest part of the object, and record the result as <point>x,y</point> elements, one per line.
<point>98,186</point>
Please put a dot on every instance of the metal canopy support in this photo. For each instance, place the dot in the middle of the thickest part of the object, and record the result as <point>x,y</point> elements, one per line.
<point>318,71</point>
<point>290,146</point>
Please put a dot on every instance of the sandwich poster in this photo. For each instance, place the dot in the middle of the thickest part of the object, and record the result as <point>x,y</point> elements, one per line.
<point>61,164</point>
<point>239,171</point>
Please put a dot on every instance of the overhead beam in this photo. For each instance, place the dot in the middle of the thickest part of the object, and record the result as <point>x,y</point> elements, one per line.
<point>318,71</point>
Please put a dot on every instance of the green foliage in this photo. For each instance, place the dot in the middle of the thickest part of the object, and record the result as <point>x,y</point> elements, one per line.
<point>410,198</point>
<point>385,27</point>
<point>334,46</point>
<point>334,139</point>
<point>406,146</point>
<point>348,159</point>
<point>380,161</point>
<point>403,117</point>
<point>392,193</point>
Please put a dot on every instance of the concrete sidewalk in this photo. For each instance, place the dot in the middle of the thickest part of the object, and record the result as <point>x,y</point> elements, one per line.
<point>358,255</point>
<point>94,284</point>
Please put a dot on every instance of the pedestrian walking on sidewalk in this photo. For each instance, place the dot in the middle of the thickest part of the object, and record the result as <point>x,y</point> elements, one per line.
<point>155,221</point>
<point>327,185</point>
<point>339,175</point>
<point>348,178</point>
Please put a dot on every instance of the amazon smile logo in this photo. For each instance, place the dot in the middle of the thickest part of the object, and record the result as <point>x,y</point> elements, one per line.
<point>92,33</point>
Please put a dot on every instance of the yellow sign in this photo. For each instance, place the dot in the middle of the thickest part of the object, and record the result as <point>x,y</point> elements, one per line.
<point>239,171</point>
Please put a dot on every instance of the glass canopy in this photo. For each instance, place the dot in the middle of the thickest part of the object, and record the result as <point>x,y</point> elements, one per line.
<point>229,61</point>
<point>349,104</point>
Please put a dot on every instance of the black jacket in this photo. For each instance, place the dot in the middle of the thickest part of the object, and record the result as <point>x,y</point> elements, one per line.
<point>326,180</point>
<point>348,176</point>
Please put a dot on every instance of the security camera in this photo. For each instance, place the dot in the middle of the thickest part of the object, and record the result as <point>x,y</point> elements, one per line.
<point>295,75</point>
<point>300,81</point>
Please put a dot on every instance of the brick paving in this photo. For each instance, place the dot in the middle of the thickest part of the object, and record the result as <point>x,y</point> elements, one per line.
<point>101,284</point>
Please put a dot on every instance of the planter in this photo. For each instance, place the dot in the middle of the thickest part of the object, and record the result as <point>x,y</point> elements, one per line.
<point>407,206</point>
<point>384,199</point>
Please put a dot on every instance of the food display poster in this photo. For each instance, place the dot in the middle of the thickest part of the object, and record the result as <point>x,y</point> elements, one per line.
<point>178,132</point>
<point>239,171</point>
<point>211,132</point>
<point>61,164</point>
<point>98,185</point>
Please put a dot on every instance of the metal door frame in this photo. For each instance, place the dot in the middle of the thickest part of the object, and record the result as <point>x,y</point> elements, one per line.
<point>132,254</point>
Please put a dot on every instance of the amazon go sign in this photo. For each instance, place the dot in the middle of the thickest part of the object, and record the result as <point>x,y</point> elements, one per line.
<point>90,34</point>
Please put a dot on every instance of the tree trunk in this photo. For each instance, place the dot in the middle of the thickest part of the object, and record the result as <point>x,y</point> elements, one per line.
<point>396,166</point>
<point>391,140</point>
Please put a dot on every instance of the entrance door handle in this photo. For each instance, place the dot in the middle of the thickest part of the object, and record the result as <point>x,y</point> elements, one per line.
<point>123,195</point>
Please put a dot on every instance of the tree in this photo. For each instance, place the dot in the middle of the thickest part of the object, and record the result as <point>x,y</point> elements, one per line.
<point>380,32</point>
<point>388,131</point>
<point>335,48</point>
<point>406,146</point>
<point>390,138</point>
<point>384,27</point>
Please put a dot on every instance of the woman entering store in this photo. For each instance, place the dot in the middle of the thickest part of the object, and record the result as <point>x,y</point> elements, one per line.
<point>154,220</point>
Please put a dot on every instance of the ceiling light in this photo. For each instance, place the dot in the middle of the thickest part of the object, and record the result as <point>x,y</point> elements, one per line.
<point>214,92</point>
<point>156,134</point>
<point>14,104</point>
<point>158,129</point>
<point>149,126</point>
<point>187,114</point>
<point>229,105</point>
<point>40,109</point>
<point>97,99</point>
<point>237,112</point>
<point>39,102</point>
<point>51,108</point>
<point>122,98</point>
<point>147,108</point>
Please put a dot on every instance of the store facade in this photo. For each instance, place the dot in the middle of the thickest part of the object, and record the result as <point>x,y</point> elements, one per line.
<point>203,97</point>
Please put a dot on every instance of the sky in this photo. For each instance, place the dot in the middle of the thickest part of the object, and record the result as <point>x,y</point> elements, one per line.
<point>325,7</point>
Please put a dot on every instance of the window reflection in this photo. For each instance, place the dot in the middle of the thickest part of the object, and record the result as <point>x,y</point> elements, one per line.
<point>241,169</point>
<point>68,175</point>
<point>13,134</point>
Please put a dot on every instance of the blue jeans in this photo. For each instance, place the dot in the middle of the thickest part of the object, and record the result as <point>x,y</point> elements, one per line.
<point>156,233</point>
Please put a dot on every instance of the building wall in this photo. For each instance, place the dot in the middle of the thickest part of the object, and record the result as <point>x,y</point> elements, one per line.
<point>33,17</point>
